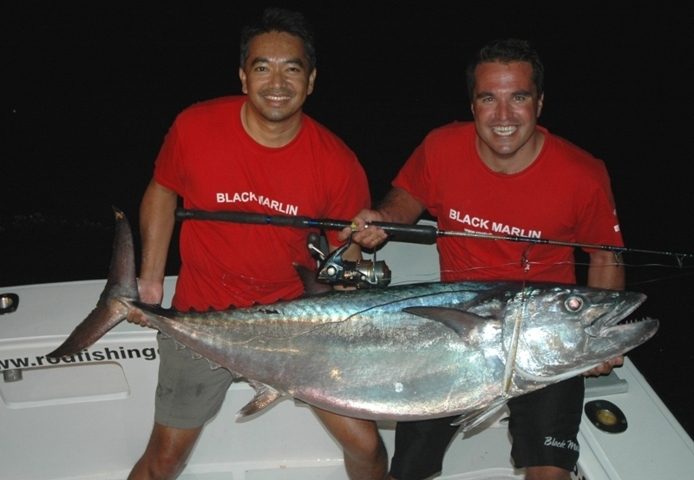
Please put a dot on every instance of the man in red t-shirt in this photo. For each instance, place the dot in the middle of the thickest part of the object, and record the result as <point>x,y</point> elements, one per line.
<point>256,153</point>
<point>504,175</point>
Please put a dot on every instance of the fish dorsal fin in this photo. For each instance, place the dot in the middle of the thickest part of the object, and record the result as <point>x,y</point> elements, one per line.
<point>469,421</point>
<point>457,320</point>
<point>265,396</point>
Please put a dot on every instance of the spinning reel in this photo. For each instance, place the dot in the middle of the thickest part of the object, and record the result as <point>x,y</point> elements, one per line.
<point>335,270</point>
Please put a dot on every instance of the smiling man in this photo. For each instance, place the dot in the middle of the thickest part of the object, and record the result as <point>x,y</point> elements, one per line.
<point>504,174</point>
<point>259,153</point>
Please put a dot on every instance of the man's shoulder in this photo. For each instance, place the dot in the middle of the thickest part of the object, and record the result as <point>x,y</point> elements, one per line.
<point>573,155</point>
<point>323,136</point>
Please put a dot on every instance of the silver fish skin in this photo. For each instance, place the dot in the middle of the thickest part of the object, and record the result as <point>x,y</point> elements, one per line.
<point>401,353</point>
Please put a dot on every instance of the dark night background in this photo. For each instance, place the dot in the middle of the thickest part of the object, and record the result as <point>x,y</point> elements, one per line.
<point>90,89</point>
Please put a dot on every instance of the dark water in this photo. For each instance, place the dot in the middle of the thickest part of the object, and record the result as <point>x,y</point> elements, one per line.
<point>91,88</point>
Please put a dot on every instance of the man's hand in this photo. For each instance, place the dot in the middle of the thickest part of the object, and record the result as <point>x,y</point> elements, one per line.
<point>150,291</point>
<point>362,232</point>
<point>605,368</point>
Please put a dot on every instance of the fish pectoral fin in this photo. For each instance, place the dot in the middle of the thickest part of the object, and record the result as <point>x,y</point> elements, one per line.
<point>469,421</point>
<point>458,320</point>
<point>265,396</point>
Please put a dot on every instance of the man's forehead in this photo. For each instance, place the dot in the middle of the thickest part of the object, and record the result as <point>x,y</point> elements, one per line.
<point>509,75</point>
<point>279,47</point>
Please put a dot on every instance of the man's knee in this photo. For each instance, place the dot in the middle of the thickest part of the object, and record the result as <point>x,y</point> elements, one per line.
<point>368,446</point>
<point>360,439</point>
<point>158,467</point>
<point>166,454</point>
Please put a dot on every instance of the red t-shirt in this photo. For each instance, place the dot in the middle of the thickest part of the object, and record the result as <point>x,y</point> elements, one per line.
<point>563,195</point>
<point>213,164</point>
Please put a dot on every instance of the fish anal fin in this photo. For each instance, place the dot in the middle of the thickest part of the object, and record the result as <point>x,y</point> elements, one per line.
<point>457,320</point>
<point>469,421</point>
<point>264,396</point>
<point>213,365</point>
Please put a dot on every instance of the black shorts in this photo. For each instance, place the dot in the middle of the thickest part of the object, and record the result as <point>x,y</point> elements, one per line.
<point>543,424</point>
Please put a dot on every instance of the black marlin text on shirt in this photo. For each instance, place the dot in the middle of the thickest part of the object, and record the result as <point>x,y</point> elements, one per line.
<point>252,197</point>
<point>492,226</point>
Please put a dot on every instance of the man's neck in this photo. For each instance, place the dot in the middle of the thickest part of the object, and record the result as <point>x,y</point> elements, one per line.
<point>268,133</point>
<point>518,161</point>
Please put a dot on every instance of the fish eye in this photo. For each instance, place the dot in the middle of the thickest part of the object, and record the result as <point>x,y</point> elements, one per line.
<point>574,303</point>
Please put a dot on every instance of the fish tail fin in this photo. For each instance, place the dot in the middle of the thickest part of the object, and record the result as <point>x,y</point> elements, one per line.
<point>112,307</point>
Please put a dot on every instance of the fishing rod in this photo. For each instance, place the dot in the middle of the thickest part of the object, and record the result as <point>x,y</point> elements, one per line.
<point>399,232</point>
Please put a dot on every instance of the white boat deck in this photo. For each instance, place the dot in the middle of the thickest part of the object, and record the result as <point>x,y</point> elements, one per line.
<point>91,419</point>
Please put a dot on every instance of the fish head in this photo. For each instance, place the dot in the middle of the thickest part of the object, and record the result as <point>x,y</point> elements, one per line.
<point>564,330</point>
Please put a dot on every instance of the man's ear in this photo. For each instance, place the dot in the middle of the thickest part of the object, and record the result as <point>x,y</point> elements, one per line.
<point>242,77</point>
<point>311,81</point>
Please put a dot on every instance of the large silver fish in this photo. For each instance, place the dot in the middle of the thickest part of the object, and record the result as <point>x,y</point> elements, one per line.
<point>401,353</point>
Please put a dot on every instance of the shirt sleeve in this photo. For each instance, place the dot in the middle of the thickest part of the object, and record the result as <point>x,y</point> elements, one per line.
<point>598,221</point>
<point>168,166</point>
<point>348,193</point>
<point>415,177</point>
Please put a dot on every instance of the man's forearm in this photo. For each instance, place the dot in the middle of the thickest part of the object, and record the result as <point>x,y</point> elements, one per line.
<point>156,228</point>
<point>606,271</point>
<point>399,206</point>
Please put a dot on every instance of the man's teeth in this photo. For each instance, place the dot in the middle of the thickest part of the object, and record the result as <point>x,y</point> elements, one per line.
<point>504,131</point>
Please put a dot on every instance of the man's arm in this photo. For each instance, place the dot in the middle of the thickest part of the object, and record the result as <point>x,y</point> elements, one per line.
<point>156,228</point>
<point>397,207</point>
<point>605,271</point>
<point>400,207</point>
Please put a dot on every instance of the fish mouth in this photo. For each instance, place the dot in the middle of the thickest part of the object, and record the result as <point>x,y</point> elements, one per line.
<point>612,321</point>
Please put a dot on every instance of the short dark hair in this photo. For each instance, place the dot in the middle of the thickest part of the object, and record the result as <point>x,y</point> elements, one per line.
<point>280,20</point>
<point>506,51</point>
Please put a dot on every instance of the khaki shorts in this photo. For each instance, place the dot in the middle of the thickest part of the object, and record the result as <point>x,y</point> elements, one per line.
<point>190,392</point>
